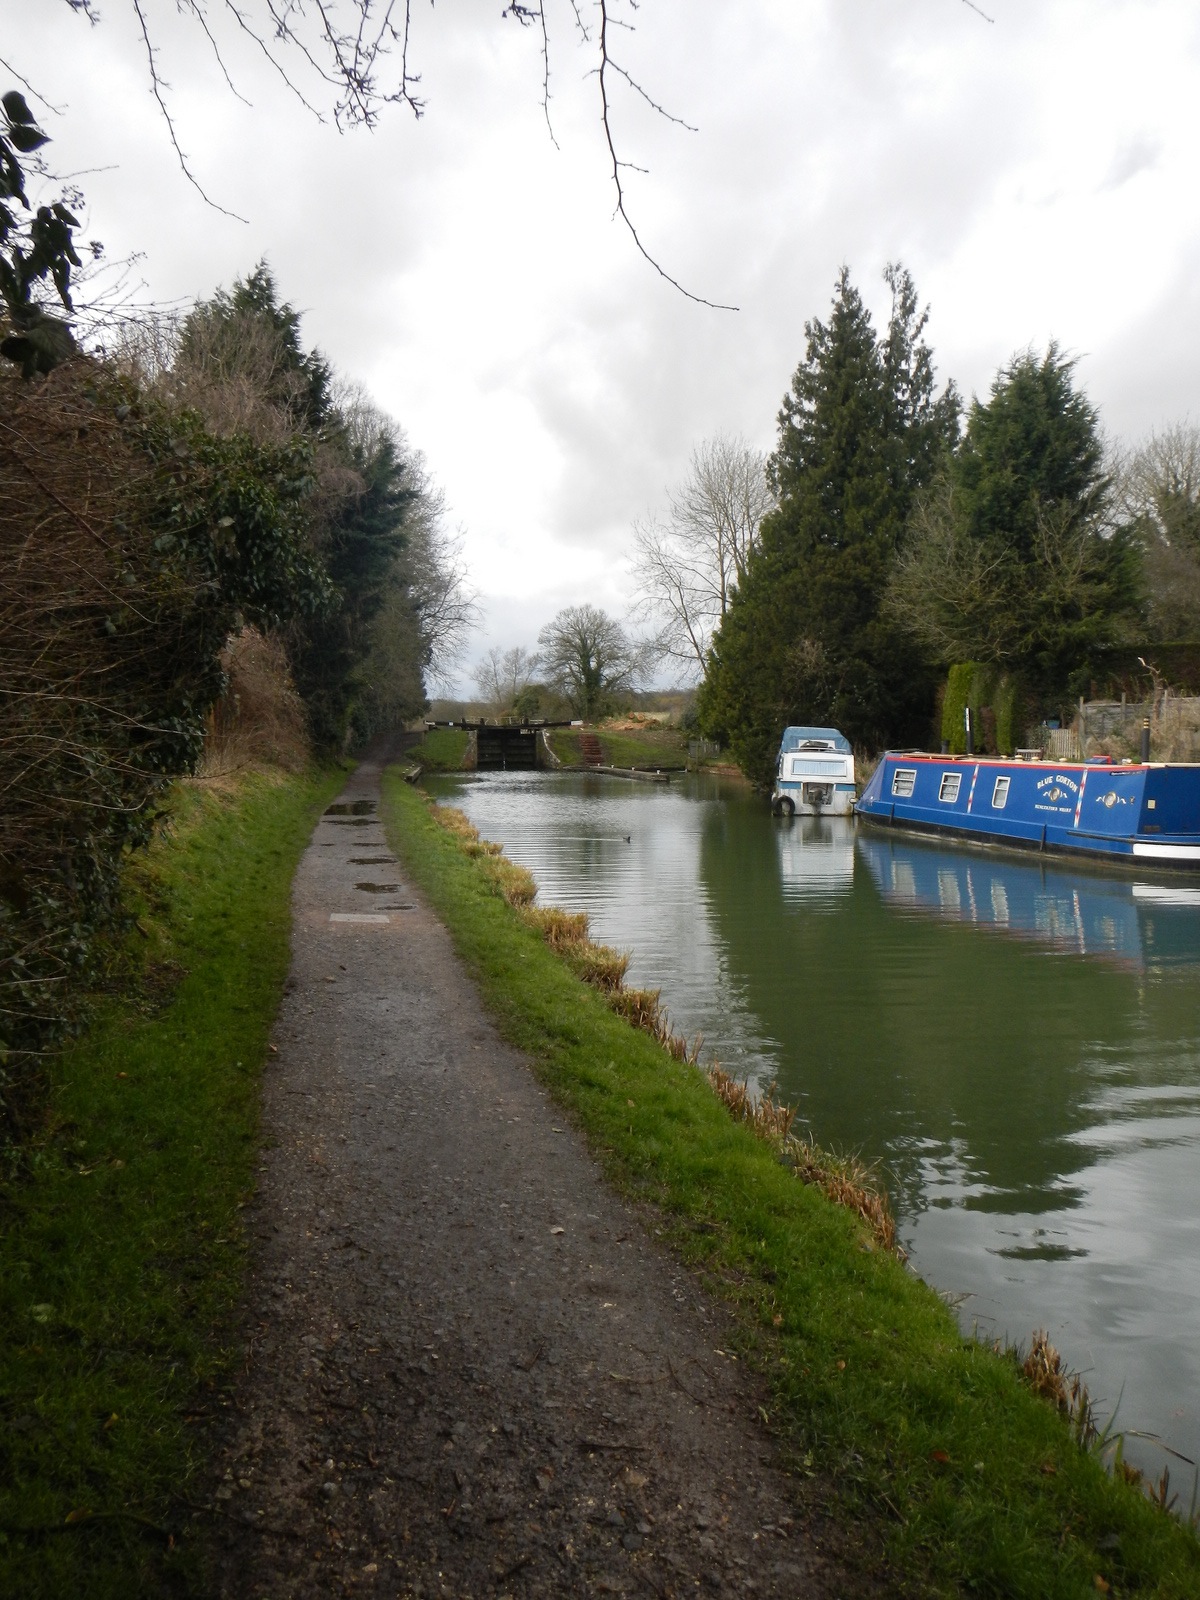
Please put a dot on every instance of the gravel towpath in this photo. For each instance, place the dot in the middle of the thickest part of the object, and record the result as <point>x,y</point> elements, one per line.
<point>472,1369</point>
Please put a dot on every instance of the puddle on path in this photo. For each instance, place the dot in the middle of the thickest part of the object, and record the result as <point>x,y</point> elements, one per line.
<point>377,888</point>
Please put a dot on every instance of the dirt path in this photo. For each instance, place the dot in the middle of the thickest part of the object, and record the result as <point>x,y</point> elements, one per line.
<point>472,1370</point>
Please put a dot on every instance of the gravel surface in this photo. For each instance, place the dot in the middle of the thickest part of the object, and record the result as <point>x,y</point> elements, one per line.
<point>472,1369</point>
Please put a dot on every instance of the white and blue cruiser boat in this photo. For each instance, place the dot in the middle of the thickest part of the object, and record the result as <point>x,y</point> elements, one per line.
<point>1143,813</point>
<point>815,774</point>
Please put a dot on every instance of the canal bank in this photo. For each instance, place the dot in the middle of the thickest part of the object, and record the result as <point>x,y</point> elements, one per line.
<point>981,1483</point>
<point>471,1368</point>
<point>1015,1043</point>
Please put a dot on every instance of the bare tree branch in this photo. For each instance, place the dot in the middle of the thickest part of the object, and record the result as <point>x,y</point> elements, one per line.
<point>349,59</point>
<point>688,567</point>
<point>621,211</point>
<point>156,88</point>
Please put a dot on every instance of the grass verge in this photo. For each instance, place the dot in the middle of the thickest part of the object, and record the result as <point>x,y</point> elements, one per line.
<point>979,1485</point>
<point>442,749</point>
<point>653,747</point>
<point>121,1255</point>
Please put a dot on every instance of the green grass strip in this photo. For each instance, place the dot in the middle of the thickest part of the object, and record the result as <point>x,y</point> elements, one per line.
<point>121,1257</point>
<point>442,749</point>
<point>977,1484</point>
<point>653,747</point>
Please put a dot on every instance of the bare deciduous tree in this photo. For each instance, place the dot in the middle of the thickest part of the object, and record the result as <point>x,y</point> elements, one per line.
<point>1158,485</point>
<point>688,565</point>
<point>1158,495</point>
<point>503,675</point>
<point>589,658</point>
<point>445,600</point>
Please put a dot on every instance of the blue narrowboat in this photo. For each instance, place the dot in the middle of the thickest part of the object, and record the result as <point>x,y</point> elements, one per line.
<point>1144,813</point>
<point>814,774</point>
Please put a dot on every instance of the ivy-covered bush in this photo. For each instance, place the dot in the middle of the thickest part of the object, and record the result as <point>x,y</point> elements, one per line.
<point>132,543</point>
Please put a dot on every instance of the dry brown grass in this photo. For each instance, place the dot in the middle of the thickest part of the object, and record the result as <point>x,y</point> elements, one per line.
<point>515,883</point>
<point>561,930</point>
<point>843,1179</point>
<point>598,965</point>
<point>1044,1372</point>
<point>259,720</point>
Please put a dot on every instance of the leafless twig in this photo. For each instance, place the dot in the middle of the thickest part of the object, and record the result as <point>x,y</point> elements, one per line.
<point>156,88</point>
<point>607,64</point>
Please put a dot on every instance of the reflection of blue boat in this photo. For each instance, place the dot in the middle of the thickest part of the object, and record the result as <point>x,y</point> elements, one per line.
<point>1139,924</point>
<point>1143,814</point>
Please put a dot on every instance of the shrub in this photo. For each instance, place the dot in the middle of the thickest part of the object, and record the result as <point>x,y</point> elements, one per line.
<point>132,544</point>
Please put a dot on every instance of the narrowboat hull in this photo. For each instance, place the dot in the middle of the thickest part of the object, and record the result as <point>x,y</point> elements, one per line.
<point>1139,815</point>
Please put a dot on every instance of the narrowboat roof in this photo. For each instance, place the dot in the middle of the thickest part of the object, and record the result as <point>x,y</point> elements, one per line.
<point>820,738</point>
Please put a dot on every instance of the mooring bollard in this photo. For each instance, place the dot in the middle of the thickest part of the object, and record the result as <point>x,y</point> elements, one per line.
<point>1145,739</point>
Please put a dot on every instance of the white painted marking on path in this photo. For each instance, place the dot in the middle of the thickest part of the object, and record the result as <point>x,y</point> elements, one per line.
<point>358,916</point>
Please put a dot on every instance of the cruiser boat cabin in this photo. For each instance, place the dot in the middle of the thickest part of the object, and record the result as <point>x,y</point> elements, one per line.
<point>814,775</point>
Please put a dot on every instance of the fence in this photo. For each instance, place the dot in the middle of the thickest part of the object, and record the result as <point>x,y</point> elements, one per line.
<point>1114,727</point>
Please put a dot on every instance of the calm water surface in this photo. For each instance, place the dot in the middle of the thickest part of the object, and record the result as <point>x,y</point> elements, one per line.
<point>1017,1043</point>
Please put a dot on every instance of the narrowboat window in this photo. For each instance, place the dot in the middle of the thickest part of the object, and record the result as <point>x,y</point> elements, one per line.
<point>902,781</point>
<point>951,783</point>
<point>1000,793</point>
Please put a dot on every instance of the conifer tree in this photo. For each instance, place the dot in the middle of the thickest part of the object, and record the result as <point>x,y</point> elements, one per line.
<point>860,431</point>
<point>1013,559</point>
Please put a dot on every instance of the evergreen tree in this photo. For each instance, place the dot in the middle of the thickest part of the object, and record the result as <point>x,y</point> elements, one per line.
<point>361,550</point>
<point>1013,560</point>
<point>215,335</point>
<point>860,432</point>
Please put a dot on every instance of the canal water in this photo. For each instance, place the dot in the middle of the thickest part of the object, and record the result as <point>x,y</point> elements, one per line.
<point>1015,1042</point>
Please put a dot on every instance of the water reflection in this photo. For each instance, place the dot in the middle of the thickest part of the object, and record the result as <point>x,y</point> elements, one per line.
<point>1144,926</point>
<point>1017,1042</point>
<point>816,857</point>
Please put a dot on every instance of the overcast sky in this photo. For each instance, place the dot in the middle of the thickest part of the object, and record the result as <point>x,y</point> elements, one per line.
<point>1036,172</point>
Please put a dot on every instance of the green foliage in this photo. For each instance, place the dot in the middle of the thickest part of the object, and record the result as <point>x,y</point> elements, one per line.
<point>528,703</point>
<point>993,698</point>
<point>299,381</point>
<point>958,698</point>
<point>1012,560</point>
<point>139,544</point>
<point>1033,446</point>
<point>31,251</point>
<point>242,351</point>
<point>805,639</point>
<point>122,1255</point>
<point>1006,704</point>
<point>870,1383</point>
<point>363,542</point>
